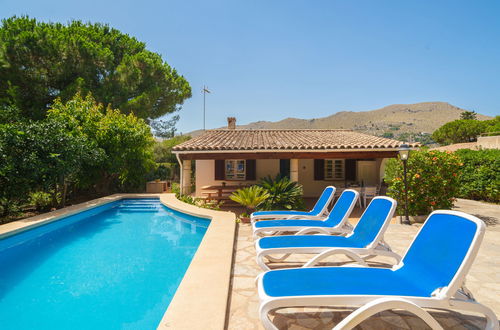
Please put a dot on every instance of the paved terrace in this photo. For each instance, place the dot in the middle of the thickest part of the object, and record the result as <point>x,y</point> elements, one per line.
<point>483,280</point>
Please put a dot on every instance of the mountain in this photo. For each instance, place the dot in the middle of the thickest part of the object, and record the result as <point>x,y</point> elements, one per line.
<point>391,121</point>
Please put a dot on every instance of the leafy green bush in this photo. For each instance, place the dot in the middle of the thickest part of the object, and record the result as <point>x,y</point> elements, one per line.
<point>162,171</point>
<point>283,194</point>
<point>41,200</point>
<point>125,141</point>
<point>176,188</point>
<point>40,155</point>
<point>458,131</point>
<point>480,175</point>
<point>433,181</point>
<point>250,197</point>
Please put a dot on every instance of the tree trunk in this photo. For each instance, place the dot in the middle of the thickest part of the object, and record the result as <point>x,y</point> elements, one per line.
<point>65,190</point>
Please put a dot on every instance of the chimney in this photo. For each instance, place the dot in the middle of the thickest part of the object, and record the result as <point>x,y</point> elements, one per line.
<point>231,122</point>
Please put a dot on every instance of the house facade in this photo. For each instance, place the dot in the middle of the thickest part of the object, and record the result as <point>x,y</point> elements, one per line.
<point>314,158</point>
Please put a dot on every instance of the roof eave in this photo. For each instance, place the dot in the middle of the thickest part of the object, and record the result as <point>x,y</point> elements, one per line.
<point>286,150</point>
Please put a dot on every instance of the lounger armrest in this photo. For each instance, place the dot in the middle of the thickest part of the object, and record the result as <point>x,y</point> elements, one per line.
<point>383,304</point>
<point>350,254</point>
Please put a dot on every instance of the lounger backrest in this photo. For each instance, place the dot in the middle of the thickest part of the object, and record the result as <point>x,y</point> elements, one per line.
<point>324,200</point>
<point>374,221</point>
<point>342,208</point>
<point>443,249</point>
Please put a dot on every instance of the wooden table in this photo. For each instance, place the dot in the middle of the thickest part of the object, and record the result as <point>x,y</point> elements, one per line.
<point>222,191</point>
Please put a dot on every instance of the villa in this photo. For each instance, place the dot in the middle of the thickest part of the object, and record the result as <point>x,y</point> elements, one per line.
<point>314,158</point>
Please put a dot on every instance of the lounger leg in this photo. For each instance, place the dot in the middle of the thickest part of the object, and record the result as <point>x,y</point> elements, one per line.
<point>473,306</point>
<point>261,263</point>
<point>264,310</point>
<point>272,259</point>
<point>383,304</point>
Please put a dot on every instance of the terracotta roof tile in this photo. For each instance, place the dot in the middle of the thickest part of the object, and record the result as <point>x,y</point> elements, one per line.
<point>286,140</point>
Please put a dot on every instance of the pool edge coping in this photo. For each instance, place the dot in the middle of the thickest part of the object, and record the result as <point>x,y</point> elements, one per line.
<point>205,286</point>
<point>201,300</point>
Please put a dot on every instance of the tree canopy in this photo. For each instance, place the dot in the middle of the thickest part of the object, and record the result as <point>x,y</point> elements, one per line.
<point>465,130</point>
<point>40,62</point>
<point>458,131</point>
<point>468,115</point>
<point>79,145</point>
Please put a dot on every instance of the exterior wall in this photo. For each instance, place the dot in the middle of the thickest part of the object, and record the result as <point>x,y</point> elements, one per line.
<point>312,188</point>
<point>205,170</point>
<point>489,142</point>
<point>205,175</point>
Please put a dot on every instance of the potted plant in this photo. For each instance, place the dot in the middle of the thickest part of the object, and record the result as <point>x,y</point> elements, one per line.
<point>250,198</point>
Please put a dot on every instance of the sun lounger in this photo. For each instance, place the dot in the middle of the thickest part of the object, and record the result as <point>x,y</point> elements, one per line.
<point>319,211</point>
<point>431,275</point>
<point>366,238</point>
<point>336,222</point>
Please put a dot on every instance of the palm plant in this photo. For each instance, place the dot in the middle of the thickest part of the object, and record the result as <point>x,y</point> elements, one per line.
<point>250,197</point>
<point>283,194</point>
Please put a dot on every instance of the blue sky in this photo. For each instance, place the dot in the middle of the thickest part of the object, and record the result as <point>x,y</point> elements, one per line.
<point>272,59</point>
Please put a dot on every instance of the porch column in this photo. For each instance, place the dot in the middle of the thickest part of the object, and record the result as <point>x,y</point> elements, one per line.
<point>294,170</point>
<point>186,177</point>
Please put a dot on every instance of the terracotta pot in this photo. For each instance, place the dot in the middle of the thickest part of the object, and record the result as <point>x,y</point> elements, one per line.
<point>245,219</point>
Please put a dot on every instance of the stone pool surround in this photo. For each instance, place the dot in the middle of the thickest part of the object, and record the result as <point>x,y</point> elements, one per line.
<point>201,300</point>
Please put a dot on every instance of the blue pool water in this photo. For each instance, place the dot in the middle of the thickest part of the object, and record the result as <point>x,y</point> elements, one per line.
<point>116,266</point>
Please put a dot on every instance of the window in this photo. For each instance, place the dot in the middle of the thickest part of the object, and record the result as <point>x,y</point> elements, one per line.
<point>334,169</point>
<point>235,169</point>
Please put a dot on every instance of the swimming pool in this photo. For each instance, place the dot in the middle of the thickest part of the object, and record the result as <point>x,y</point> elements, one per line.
<point>116,266</point>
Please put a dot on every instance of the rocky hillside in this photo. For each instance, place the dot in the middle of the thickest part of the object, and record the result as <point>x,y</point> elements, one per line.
<point>392,121</point>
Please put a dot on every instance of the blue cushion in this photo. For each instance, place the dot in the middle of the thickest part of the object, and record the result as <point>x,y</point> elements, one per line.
<point>341,281</point>
<point>371,221</point>
<point>364,233</point>
<point>281,213</point>
<point>323,200</point>
<point>439,249</point>
<point>431,263</point>
<point>292,241</point>
<point>340,208</point>
<point>290,223</point>
<point>317,209</point>
<point>338,212</point>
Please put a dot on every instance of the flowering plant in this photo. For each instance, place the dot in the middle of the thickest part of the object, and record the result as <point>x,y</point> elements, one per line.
<point>432,181</point>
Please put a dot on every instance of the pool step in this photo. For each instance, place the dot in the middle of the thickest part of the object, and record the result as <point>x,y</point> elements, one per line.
<point>139,207</point>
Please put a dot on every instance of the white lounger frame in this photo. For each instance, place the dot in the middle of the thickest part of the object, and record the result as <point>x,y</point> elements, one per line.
<point>343,227</point>
<point>452,297</point>
<point>321,216</point>
<point>376,248</point>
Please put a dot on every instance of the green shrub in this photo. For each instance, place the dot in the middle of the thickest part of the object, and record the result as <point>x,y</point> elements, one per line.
<point>458,131</point>
<point>480,175</point>
<point>176,188</point>
<point>41,200</point>
<point>432,181</point>
<point>283,194</point>
<point>162,171</point>
<point>250,197</point>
